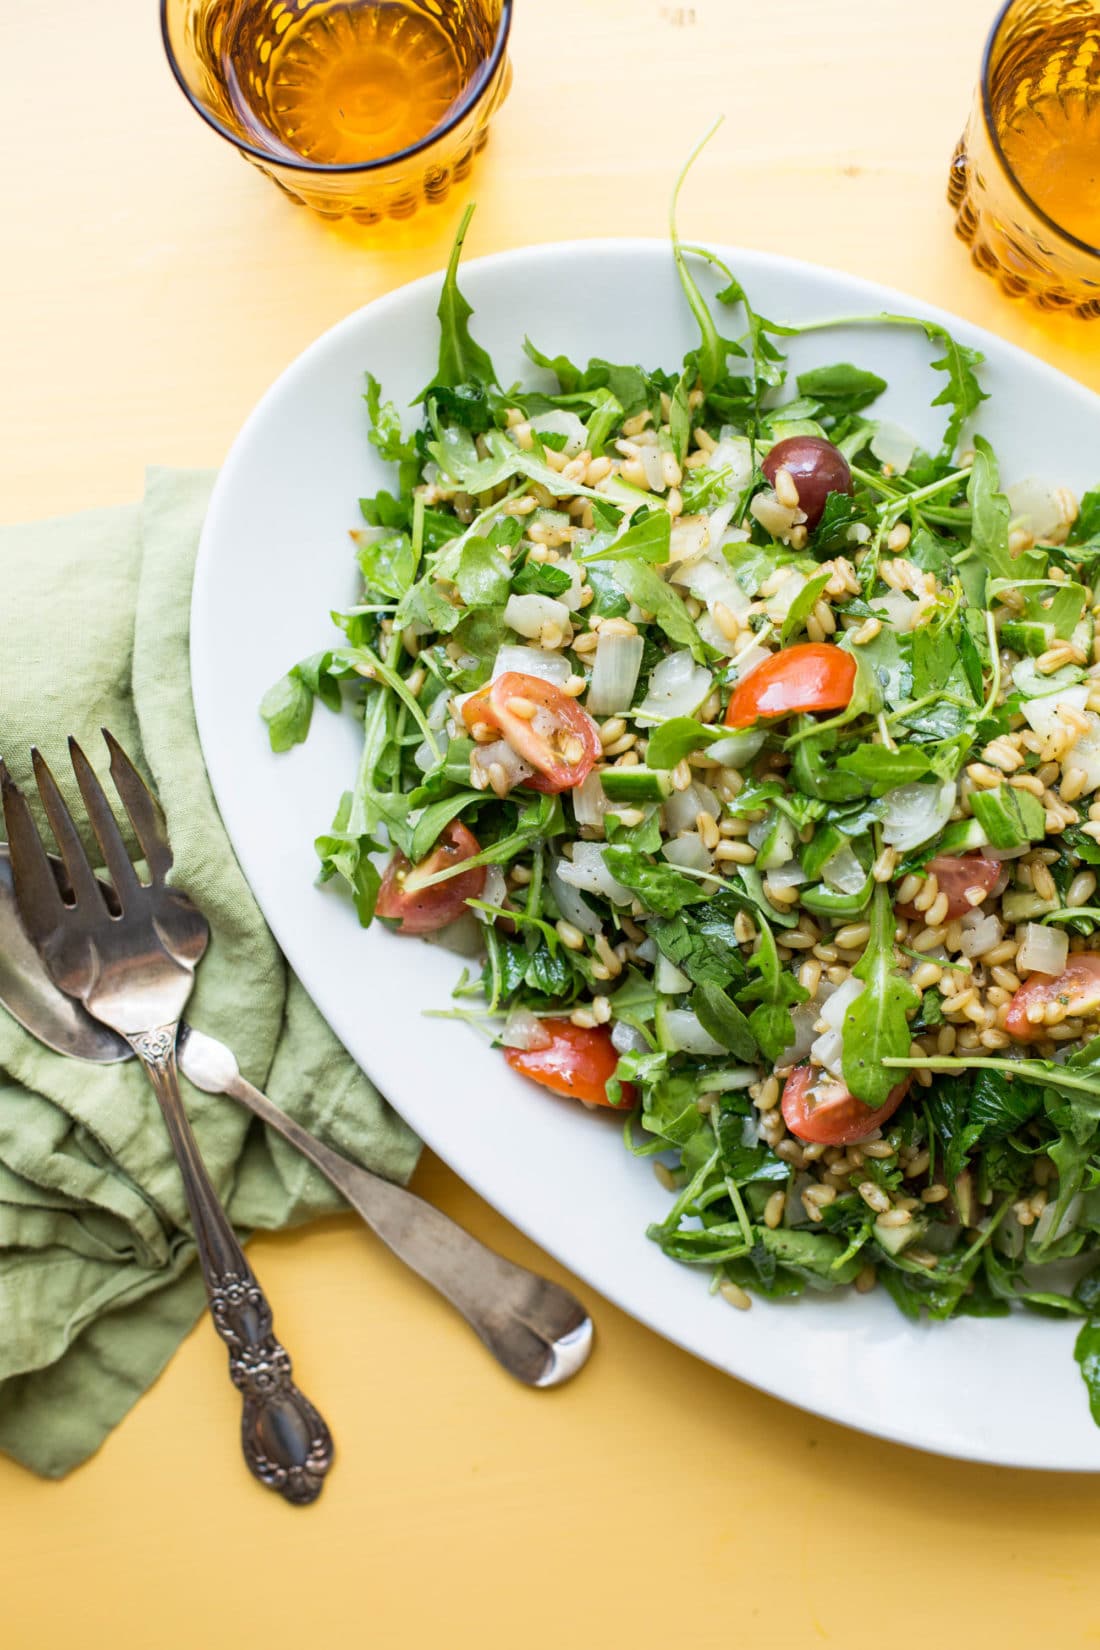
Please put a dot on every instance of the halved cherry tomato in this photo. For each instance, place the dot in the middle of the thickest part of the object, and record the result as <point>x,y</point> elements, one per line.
<point>812,676</point>
<point>955,874</point>
<point>819,1109</point>
<point>558,739</point>
<point>1078,987</point>
<point>579,1062</point>
<point>423,910</point>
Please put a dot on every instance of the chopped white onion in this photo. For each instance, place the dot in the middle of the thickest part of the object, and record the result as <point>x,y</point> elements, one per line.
<point>894,446</point>
<point>1041,713</point>
<point>689,539</point>
<point>646,951</point>
<point>914,813</point>
<point>733,453</point>
<point>614,674</point>
<point>775,518</point>
<point>689,850</point>
<point>528,614</point>
<point>559,421</point>
<point>682,807</point>
<point>669,980</point>
<point>838,1004</point>
<point>684,1031</point>
<point>1071,1214</point>
<point>590,802</point>
<point>1043,951</point>
<point>531,661</point>
<point>711,580</point>
<point>587,870</point>
<point>828,1051</point>
<point>805,1017</point>
<point>677,687</point>
<point>574,596</point>
<point>1086,755</point>
<point>425,758</point>
<point>572,907</point>
<point>901,611</point>
<point>981,931</point>
<point>651,459</point>
<point>495,892</point>
<point>747,663</point>
<point>788,875</point>
<point>737,749</point>
<point>778,605</point>
<point>627,1039</point>
<point>719,518</point>
<point>1041,509</point>
<point>844,872</point>
<point>525,1030</point>
<point>500,752</point>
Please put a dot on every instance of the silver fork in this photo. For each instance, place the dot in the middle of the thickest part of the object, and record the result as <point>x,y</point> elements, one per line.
<point>133,968</point>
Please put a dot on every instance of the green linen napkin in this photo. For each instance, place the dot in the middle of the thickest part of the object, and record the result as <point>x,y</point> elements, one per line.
<point>97,1277</point>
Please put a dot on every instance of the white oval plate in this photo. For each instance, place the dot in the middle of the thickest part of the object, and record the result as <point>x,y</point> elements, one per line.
<point>275,558</point>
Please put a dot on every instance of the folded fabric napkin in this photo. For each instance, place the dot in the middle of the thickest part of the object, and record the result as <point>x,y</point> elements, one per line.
<point>97,1277</point>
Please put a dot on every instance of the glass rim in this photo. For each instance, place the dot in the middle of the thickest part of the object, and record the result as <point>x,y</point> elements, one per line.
<point>298,163</point>
<point>1052,224</point>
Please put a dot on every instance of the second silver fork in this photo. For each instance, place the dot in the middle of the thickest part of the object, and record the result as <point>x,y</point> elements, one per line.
<point>133,969</point>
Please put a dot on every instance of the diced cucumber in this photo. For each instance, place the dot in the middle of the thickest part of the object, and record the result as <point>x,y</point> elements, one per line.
<point>962,836</point>
<point>827,840</point>
<point>1025,636</point>
<point>895,1238</point>
<point>1010,818</point>
<point>1022,905</point>
<point>827,902</point>
<point>636,784</point>
<point>778,846</point>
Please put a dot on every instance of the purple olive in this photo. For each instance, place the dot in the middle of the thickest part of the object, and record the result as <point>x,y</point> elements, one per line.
<point>816,467</point>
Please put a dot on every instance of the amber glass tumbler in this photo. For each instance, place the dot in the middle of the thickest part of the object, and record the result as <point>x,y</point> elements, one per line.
<point>367,109</point>
<point>1023,180</point>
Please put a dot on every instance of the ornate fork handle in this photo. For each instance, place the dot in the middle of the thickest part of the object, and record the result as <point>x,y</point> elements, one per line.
<point>286,1444</point>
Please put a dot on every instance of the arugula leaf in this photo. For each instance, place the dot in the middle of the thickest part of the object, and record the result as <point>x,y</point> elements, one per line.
<point>843,389</point>
<point>345,852</point>
<point>803,605</point>
<point>776,991</point>
<point>385,432</point>
<point>648,590</point>
<point>702,941</point>
<point>677,738</point>
<point>725,1022</point>
<point>483,575</point>
<point>461,359</point>
<point>875,1025</point>
<point>287,706</point>
<point>649,538</point>
<point>540,578</point>
<point>386,563</point>
<point>610,602</point>
<point>881,770</point>
<point>660,888</point>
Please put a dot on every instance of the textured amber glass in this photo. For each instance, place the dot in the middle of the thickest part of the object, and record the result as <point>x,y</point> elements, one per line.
<point>1025,178</point>
<point>367,109</point>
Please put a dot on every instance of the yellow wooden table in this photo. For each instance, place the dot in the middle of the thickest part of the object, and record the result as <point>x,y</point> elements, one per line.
<point>153,286</point>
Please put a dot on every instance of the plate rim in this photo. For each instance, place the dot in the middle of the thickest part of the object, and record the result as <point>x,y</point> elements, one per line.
<point>748,263</point>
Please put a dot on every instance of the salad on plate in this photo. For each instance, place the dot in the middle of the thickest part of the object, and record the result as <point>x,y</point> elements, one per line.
<point>750,756</point>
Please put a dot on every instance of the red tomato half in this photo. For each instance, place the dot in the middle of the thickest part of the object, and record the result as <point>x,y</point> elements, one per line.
<point>558,739</point>
<point>955,876</point>
<point>579,1063</point>
<point>819,1109</point>
<point>1078,988</point>
<point>812,676</point>
<point>423,910</point>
